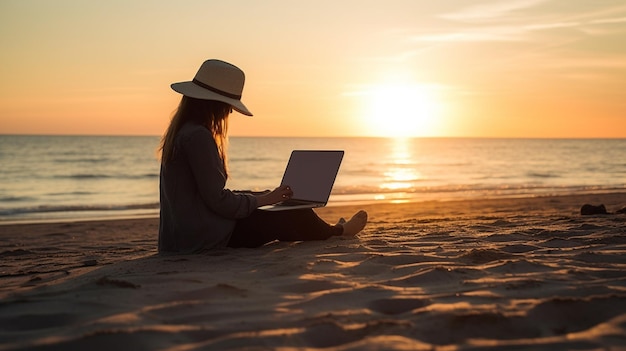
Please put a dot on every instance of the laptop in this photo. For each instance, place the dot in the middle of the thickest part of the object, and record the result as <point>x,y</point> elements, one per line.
<point>311,175</point>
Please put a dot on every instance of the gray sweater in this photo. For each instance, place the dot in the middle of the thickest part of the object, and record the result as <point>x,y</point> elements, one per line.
<point>197,212</point>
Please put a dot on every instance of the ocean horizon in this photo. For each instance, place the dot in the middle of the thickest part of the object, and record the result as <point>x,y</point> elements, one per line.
<point>62,178</point>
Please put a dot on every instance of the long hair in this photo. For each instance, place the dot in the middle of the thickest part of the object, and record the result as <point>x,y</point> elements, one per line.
<point>209,113</point>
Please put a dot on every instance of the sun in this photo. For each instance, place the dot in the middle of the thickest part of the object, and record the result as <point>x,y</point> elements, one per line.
<point>402,110</point>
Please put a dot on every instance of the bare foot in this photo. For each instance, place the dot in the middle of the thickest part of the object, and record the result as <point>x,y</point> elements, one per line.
<point>355,224</point>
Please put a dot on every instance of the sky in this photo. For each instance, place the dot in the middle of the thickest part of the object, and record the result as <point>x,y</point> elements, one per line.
<point>446,68</point>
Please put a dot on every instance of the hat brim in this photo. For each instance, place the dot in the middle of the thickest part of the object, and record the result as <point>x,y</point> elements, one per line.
<point>195,91</point>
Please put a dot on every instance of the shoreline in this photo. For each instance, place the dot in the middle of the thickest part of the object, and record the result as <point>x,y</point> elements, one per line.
<point>332,205</point>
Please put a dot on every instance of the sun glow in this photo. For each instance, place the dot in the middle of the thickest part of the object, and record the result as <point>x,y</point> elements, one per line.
<point>403,110</point>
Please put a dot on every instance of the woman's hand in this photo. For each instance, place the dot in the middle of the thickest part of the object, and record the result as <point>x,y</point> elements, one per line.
<point>277,195</point>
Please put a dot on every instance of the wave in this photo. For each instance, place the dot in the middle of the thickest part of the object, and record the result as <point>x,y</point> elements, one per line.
<point>83,176</point>
<point>9,212</point>
<point>16,198</point>
<point>79,193</point>
<point>253,159</point>
<point>106,176</point>
<point>83,160</point>
<point>542,175</point>
<point>477,190</point>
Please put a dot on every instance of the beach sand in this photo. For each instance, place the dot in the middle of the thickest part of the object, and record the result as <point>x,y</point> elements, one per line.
<point>478,274</point>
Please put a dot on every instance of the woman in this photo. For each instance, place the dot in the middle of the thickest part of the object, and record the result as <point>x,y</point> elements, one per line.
<point>197,212</point>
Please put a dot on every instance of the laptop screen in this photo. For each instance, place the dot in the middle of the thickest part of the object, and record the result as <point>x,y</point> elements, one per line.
<point>311,174</point>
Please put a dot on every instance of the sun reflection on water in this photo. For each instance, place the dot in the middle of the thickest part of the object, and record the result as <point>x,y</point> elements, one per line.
<point>402,174</point>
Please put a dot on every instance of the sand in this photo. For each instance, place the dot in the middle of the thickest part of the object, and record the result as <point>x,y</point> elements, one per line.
<point>481,274</point>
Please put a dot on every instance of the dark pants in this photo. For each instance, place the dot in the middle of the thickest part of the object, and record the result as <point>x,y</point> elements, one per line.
<point>262,227</point>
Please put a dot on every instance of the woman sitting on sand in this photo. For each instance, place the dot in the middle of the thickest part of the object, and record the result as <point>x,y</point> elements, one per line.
<point>197,212</point>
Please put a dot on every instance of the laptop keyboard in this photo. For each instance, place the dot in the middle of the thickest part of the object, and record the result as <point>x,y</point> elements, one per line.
<point>293,202</point>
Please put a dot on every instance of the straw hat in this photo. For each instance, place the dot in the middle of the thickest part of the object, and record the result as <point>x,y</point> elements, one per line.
<point>216,80</point>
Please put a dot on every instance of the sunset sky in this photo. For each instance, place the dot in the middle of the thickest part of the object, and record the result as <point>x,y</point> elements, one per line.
<point>493,68</point>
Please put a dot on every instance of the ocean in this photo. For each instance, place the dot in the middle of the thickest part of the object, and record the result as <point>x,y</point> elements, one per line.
<point>51,178</point>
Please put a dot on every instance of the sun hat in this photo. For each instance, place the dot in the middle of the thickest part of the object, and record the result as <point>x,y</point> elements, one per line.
<point>216,80</point>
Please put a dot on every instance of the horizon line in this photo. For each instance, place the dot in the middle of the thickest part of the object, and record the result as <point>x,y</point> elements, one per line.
<point>324,136</point>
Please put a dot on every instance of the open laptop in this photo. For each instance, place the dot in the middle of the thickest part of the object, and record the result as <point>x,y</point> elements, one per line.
<point>311,175</point>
